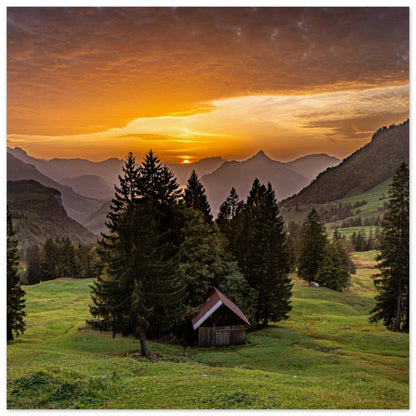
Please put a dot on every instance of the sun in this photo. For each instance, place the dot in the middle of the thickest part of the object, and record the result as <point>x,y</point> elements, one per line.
<point>186,161</point>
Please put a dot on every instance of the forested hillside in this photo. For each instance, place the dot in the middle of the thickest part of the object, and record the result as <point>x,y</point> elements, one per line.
<point>38,214</point>
<point>364,169</point>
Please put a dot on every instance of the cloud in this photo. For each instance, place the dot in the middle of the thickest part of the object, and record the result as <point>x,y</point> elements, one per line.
<point>284,126</point>
<point>70,69</point>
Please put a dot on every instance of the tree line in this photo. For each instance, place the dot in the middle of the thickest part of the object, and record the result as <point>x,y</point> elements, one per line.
<point>163,252</point>
<point>60,257</point>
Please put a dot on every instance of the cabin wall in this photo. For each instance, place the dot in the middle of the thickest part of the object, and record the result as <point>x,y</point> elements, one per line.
<point>219,336</point>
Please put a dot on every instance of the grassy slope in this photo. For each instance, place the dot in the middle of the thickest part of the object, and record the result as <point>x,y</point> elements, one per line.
<point>309,361</point>
<point>368,210</point>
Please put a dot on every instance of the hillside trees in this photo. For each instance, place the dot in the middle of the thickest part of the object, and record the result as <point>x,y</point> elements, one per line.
<point>15,293</point>
<point>324,262</point>
<point>258,243</point>
<point>61,258</point>
<point>392,283</point>
<point>312,246</point>
<point>195,197</point>
<point>139,284</point>
<point>204,263</point>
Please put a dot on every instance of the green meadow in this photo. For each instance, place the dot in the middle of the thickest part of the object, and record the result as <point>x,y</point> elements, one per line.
<point>326,355</point>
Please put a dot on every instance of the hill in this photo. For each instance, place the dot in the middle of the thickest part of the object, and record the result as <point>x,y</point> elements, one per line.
<point>241,175</point>
<point>369,166</point>
<point>326,355</point>
<point>310,166</point>
<point>38,214</point>
<point>91,186</point>
<point>96,221</point>
<point>58,169</point>
<point>78,207</point>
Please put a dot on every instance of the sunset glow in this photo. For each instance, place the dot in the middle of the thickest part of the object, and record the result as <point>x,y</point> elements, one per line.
<point>198,82</point>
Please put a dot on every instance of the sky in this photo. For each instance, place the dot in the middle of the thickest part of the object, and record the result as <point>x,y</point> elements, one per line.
<point>195,82</point>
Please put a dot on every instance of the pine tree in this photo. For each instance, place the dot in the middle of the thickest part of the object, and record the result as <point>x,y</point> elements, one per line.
<point>139,252</point>
<point>50,260</point>
<point>312,246</point>
<point>112,293</point>
<point>262,253</point>
<point>333,272</point>
<point>15,293</point>
<point>226,215</point>
<point>33,275</point>
<point>392,283</point>
<point>196,198</point>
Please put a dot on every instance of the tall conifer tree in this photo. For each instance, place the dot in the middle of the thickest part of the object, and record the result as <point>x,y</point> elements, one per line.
<point>263,253</point>
<point>392,283</point>
<point>312,246</point>
<point>195,196</point>
<point>15,293</point>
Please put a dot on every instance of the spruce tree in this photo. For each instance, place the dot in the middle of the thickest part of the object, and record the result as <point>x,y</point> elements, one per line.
<point>15,293</point>
<point>139,285</point>
<point>226,215</point>
<point>262,253</point>
<point>312,246</point>
<point>195,197</point>
<point>392,283</point>
<point>333,272</point>
<point>33,274</point>
<point>112,293</point>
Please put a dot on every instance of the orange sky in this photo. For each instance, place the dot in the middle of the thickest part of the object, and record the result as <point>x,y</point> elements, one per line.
<point>198,82</point>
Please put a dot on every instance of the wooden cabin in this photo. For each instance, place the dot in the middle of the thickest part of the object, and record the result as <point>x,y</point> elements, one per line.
<point>220,322</point>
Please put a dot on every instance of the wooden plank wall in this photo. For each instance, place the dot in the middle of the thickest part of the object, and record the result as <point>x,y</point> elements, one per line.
<point>221,335</point>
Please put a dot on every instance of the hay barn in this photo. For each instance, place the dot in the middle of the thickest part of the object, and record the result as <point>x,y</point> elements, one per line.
<point>220,322</point>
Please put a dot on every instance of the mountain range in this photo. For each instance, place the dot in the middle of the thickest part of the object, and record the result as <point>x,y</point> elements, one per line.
<point>367,167</point>
<point>77,206</point>
<point>38,214</point>
<point>86,196</point>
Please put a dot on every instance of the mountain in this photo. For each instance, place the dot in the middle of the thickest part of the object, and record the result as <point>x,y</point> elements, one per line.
<point>59,169</point>
<point>91,186</point>
<point>241,175</point>
<point>310,166</point>
<point>369,166</point>
<point>96,221</point>
<point>38,214</point>
<point>78,207</point>
<point>108,170</point>
<point>202,167</point>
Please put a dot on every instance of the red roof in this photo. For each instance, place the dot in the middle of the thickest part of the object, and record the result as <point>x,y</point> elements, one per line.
<point>214,301</point>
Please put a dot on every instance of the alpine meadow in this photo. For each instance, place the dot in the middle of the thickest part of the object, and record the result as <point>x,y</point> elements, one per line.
<point>208,208</point>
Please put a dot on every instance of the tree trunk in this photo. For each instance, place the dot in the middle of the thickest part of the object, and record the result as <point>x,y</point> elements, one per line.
<point>143,344</point>
<point>9,333</point>
<point>398,308</point>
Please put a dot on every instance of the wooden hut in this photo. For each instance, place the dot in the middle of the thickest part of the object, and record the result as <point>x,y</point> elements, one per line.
<point>219,322</point>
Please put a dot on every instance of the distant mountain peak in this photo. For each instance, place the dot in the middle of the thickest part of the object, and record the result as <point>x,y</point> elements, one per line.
<point>260,155</point>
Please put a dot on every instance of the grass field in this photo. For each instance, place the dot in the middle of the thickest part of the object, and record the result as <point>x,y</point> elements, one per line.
<point>325,356</point>
<point>374,198</point>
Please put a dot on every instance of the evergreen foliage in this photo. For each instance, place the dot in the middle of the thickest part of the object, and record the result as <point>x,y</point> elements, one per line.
<point>34,273</point>
<point>61,258</point>
<point>195,196</point>
<point>334,273</point>
<point>312,246</point>
<point>227,212</point>
<point>15,293</point>
<point>365,168</point>
<point>259,245</point>
<point>139,288</point>
<point>392,283</point>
